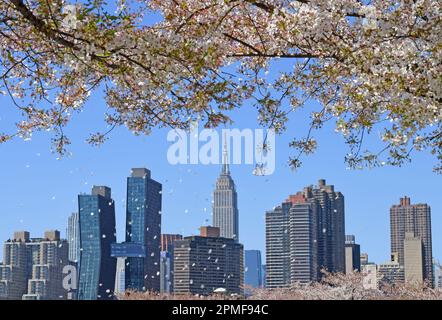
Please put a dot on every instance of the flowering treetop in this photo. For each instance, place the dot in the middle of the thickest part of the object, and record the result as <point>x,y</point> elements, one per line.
<point>373,66</point>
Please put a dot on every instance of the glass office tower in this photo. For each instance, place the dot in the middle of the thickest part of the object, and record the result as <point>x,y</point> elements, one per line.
<point>143,227</point>
<point>97,233</point>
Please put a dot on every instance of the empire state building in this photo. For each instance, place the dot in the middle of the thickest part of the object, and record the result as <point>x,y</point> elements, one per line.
<point>225,203</point>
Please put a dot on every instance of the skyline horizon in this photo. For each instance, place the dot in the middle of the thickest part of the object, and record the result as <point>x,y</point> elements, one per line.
<point>122,216</point>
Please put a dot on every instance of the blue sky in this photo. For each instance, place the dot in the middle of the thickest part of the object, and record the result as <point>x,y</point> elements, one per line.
<point>38,192</point>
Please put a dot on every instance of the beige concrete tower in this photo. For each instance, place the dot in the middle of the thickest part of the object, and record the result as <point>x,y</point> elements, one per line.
<point>413,259</point>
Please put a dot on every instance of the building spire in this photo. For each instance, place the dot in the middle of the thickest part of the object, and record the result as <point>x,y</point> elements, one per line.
<point>225,168</point>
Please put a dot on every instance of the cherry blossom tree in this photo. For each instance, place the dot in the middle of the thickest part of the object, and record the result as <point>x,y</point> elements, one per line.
<point>374,66</point>
<point>333,286</point>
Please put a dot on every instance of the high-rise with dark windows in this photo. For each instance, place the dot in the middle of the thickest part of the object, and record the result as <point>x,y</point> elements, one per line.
<point>208,263</point>
<point>97,233</point>
<point>143,227</point>
<point>414,220</point>
<point>304,235</point>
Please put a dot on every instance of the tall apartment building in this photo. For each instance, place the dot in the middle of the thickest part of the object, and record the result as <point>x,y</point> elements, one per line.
<point>46,282</point>
<point>97,233</point>
<point>143,227</point>
<point>303,248</point>
<point>225,203</point>
<point>352,255</point>
<point>204,264</point>
<point>331,222</point>
<point>14,272</point>
<point>304,235</point>
<point>33,267</point>
<point>277,247</point>
<point>415,219</point>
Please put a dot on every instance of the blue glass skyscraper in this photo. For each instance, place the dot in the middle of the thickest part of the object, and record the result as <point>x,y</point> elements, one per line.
<point>143,227</point>
<point>97,233</point>
<point>253,270</point>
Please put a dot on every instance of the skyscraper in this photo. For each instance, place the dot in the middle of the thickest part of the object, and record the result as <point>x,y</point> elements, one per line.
<point>331,225</point>
<point>225,203</point>
<point>33,267</point>
<point>97,233</point>
<point>352,255</point>
<point>14,270</point>
<point>143,227</point>
<point>203,264</point>
<point>73,237</point>
<point>277,247</point>
<point>46,282</point>
<point>304,235</point>
<point>415,219</point>
<point>253,268</point>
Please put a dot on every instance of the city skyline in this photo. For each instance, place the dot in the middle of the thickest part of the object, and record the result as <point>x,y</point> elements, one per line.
<point>313,220</point>
<point>247,248</point>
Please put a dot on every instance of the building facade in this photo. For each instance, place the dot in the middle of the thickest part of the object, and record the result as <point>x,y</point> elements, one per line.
<point>391,272</point>
<point>352,255</point>
<point>166,261</point>
<point>302,235</point>
<point>437,274</point>
<point>143,227</point>
<point>415,219</point>
<point>14,272</point>
<point>46,282</point>
<point>73,237</point>
<point>305,235</point>
<point>205,264</point>
<point>413,259</point>
<point>33,267</point>
<point>225,203</point>
<point>97,232</point>
<point>277,247</point>
<point>253,268</point>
